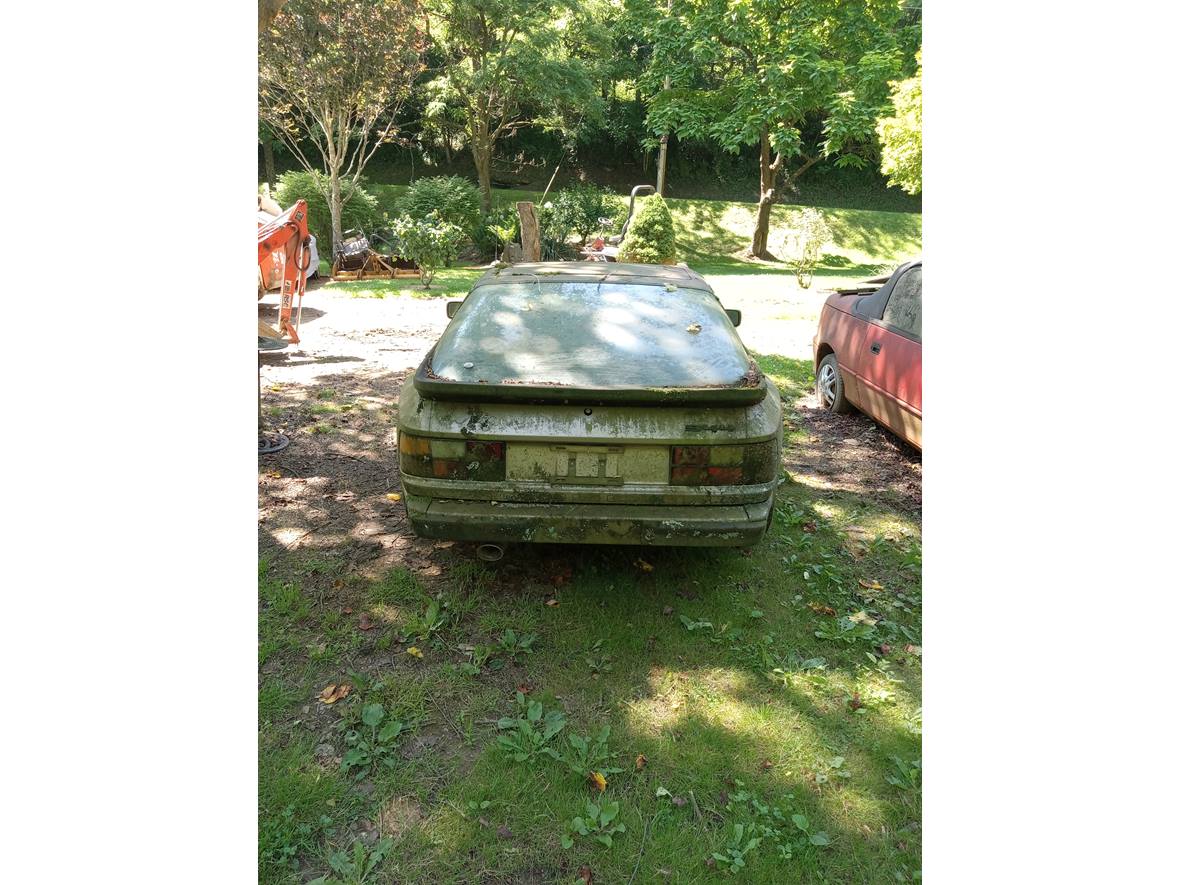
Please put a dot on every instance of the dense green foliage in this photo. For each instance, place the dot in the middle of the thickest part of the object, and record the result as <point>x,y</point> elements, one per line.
<point>803,80</point>
<point>360,208</point>
<point>453,198</point>
<point>331,75</point>
<point>430,242</point>
<point>576,210</point>
<point>651,239</point>
<point>901,135</point>
<point>508,64</point>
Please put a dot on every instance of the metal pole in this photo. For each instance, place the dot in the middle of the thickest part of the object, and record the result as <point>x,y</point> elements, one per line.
<point>663,151</point>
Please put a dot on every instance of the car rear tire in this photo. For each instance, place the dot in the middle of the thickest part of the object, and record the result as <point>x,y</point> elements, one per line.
<point>829,385</point>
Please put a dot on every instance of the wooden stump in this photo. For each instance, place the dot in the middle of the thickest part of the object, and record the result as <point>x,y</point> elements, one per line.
<point>530,235</point>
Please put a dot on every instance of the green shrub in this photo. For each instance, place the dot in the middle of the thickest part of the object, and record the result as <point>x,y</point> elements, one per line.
<point>651,239</point>
<point>496,229</point>
<point>454,199</point>
<point>803,243</point>
<point>577,210</point>
<point>360,209</point>
<point>429,242</point>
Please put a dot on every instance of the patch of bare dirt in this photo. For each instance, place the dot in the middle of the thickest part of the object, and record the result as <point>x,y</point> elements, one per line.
<point>852,453</point>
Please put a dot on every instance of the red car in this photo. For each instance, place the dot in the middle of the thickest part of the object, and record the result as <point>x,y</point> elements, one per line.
<point>868,352</point>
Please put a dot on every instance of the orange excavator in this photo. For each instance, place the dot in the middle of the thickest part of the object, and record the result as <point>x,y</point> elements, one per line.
<point>286,239</point>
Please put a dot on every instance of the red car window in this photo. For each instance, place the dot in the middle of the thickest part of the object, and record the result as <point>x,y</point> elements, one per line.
<point>904,310</point>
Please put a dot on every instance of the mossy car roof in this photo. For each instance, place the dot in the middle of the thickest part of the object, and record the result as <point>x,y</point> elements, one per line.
<point>596,272</point>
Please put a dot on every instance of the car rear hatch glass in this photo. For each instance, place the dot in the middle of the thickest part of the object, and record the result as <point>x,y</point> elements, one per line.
<point>565,337</point>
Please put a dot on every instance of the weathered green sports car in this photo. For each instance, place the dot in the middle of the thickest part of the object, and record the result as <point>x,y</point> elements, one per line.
<point>590,403</point>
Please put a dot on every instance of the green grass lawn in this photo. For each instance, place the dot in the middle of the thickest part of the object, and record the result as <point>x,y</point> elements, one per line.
<point>751,682</point>
<point>773,694</point>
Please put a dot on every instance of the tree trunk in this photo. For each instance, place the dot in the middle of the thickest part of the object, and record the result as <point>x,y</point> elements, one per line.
<point>768,180</point>
<point>481,152</point>
<point>530,235</point>
<point>336,209</point>
<point>268,165</point>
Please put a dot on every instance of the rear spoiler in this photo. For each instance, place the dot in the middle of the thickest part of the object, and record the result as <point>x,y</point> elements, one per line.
<point>431,386</point>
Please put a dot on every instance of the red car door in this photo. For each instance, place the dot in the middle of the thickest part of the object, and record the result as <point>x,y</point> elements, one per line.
<point>889,361</point>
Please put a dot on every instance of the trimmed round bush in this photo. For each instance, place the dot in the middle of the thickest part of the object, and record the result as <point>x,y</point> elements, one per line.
<point>651,239</point>
<point>360,209</point>
<point>453,198</point>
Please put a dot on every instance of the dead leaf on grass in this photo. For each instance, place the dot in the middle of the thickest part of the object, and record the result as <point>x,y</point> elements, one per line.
<point>640,762</point>
<point>597,781</point>
<point>585,874</point>
<point>365,622</point>
<point>444,545</point>
<point>644,565</point>
<point>551,602</point>
<point>333,693</point>
<point>414,651</point>
<point>869,585</point>
<point>766,765</point>
<point>274,474</point>
<point>820,609</point>
<point>393,496</point>
<point>854,702</point>
<point>668,609</point>
<point>524,688</point>
<point>503,832</point>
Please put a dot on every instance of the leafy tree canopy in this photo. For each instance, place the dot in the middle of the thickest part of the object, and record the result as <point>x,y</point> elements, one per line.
<point>901,135</point>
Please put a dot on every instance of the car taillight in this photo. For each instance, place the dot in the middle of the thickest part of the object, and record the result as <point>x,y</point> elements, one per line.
<point>473,459</point>
<point>723,465</point>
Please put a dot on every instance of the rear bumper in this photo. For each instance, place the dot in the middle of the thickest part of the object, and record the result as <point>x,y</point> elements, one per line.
<point>694,526</point>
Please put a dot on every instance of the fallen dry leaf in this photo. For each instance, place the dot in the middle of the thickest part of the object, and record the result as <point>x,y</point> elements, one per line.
<point>393,496</point>
<point>766,765</point>
<point>503,832</point>
<point>444,545</point>
<point>585,875</point>
<point>668,609</point>
<point>333,693</point>
<point>365,622</point>
<point>869,585</point>
<point>348,609</point>
<point>809,527</point>
<point>854,702</point>
<point>274,474</point>
<point>524,688</point>
<point>414,651</point>
<point>640,762</point>
<point>551,602</point>
<point>820,609</point>
<point>597,781</point>
<point>644,565</point>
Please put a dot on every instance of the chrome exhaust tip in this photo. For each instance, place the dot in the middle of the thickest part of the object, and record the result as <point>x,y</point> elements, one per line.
<point>490,552</point>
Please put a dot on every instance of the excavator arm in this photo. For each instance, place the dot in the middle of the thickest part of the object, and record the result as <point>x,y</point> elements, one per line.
<point>287,235</point>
